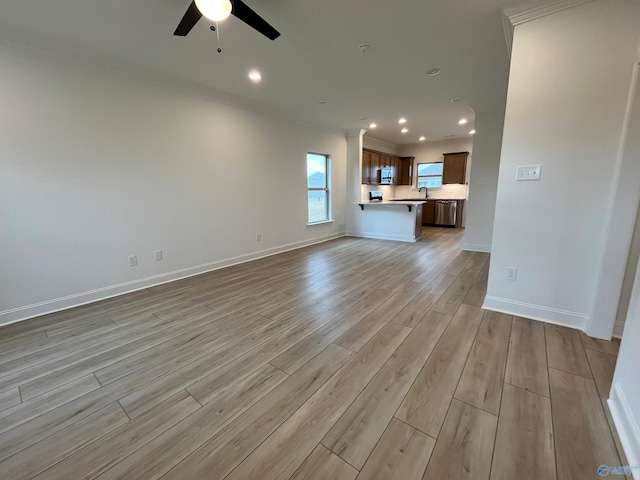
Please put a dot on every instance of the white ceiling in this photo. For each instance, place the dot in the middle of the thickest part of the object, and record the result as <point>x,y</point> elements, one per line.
<point>316,58</point>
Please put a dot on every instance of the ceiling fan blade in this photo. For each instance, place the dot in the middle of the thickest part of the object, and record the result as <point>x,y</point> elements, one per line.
<point>247,15</point>
<point>189,20</point>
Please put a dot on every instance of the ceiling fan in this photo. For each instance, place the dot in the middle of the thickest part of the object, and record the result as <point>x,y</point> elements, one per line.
<point>218,10</point>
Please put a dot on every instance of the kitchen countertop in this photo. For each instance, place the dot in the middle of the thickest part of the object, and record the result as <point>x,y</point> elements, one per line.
<point>434,199</point>
<point>392,202</point>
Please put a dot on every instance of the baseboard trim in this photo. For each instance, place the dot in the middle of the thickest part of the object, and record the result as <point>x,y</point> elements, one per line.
<point>618,328</point>
<point>382,236</point>
<point>626,425</point>
<point>536,312</point>
<point>26,312</point>
<point>476,247</point>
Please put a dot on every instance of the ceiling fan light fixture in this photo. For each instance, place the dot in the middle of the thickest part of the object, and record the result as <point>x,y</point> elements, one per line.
<point>216,10</point>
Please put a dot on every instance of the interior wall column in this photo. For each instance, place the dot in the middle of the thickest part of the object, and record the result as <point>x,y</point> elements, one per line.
<point>354,177</point>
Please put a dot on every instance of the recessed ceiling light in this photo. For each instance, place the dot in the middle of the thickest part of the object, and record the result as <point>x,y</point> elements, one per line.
<point>404,130</point>
<point>402,120</point>
<point>373,125</point>
<point>454,100</point>
<point>255,76</point>
<point>422,138</point>
<point>472,132</point>
<point>462,121</point>
<point>322,102</point>
<point>433,71</point>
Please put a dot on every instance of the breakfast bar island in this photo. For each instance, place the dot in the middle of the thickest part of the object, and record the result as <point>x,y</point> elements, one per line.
<point>391,220</point>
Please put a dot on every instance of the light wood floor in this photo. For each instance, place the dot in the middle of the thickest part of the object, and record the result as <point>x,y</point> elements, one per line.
<point>351,359</point>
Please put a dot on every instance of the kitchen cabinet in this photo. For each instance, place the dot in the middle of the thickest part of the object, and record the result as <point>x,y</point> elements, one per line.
<point>375,166</point>
<point>460,209</point>
<point>366,167</point>
<point>372,161</point>
<point>455,168</point>
<point>405,170</point>
<point>429,212</point>
<point>394,163</point>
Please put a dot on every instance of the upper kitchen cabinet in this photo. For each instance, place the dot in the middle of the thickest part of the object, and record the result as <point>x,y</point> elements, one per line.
<point>405,170</point>
<point>455,168</point>
<point>366,167</point>
<point>372,161</point>
<point>375,166</point>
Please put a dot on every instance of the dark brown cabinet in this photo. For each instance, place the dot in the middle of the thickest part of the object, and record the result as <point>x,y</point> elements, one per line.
<point>373,161</point>
<point>429,212</point>
<point>375,166</point>
<point>366,167</point>
<point>405,170</point>
<point>455,168</point>
<point>393,163</point>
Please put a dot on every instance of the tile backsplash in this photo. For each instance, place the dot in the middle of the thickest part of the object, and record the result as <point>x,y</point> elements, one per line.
<point>447,191</point>
<point>405,191</point>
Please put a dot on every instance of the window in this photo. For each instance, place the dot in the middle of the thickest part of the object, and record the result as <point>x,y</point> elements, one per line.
<point>318,180</point>
<point>430,175</point>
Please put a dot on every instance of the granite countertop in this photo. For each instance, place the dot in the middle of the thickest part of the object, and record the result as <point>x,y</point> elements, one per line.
<point>430,198</point>
<point>392,202</point>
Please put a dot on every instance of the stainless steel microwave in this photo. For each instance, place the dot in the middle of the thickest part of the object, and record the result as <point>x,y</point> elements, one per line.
<point>385,176</point>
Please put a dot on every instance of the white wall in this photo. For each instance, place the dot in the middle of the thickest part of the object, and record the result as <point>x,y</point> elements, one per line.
<point>625,388</point>
<point>625,194</point>
<point>95,167</point>
<point>627,284</point>
<point>483,180</point>
<point>565,110</point>
<point>373,143</point>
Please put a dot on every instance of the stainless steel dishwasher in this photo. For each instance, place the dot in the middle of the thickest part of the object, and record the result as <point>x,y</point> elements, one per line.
<point>446,213</point>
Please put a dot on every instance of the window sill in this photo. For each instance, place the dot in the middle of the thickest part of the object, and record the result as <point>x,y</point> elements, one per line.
<point>319,223</point>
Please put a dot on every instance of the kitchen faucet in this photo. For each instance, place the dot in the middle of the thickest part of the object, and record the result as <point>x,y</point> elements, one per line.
<point>426,192</point>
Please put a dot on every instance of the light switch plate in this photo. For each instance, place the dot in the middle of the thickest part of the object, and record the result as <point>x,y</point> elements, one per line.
<point>528,172</point>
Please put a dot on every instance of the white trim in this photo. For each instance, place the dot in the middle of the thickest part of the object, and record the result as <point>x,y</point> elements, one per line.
<point>382,236</point>
<point>536,312</point>
<point>382,145</point>
<point>626,425</point>
<point>526,13</point>
<point>77,299</point>
<point>476,247</point>
<point>618,329</point>
<point>507,28</point>
<point>319,223</point>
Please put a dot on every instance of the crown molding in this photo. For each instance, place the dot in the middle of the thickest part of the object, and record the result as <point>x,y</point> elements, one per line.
<point>511,17</point>
<point>354,132</point>
<point>381,145</point>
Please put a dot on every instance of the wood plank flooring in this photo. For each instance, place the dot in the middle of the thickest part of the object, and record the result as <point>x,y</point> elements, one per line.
<point>355,359</point>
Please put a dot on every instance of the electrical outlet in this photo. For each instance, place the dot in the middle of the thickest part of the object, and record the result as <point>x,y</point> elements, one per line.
<point>512,274</point>
<point>157,254</point>
<point>133,261</point>
<point>258,237</point>
<point>528,172</point>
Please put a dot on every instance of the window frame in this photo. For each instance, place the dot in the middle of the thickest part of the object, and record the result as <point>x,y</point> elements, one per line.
<point>418,176</point>
<point>326,188</point>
